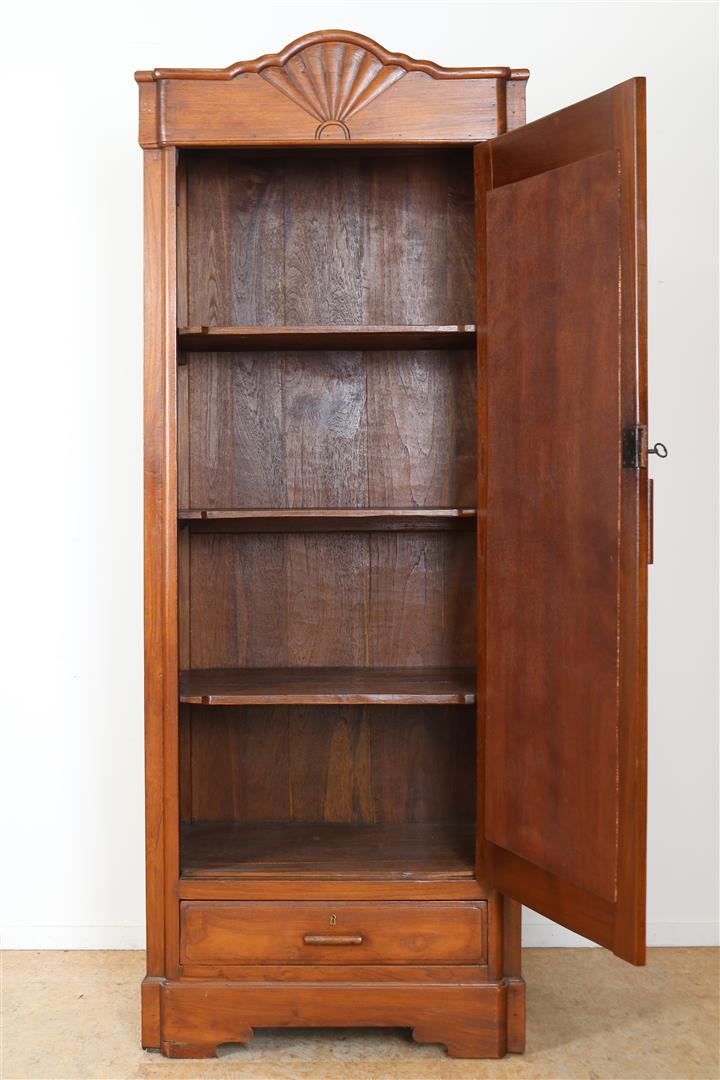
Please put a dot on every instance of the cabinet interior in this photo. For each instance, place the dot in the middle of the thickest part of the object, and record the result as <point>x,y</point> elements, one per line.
<point>327,513</point>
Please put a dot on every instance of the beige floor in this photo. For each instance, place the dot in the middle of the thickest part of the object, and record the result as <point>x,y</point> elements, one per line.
<point>73,1015</point>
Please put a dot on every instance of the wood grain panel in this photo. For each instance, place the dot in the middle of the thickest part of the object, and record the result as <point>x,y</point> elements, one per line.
<point>208,238</point>
<point>405,239</point>
<point>469,1019</point>
<point>330,851</point>
<point>240,771</point>
<point>325,429</point>
<point>327,601</point>
<point>331,766</point>
<point>332,600</point>
<point>328,686</point>
<point>237,434</point>
<point>421,429</point>
<point>552,537</point>
<point>323,257</point>
<point>567,547</point>
<point>333,933</point>
<point>330,519</point>
<point>336,763</point>
<point>331,429</point>
<point>161,567</point>
<point>421,600</point>
<point>418,887</point>
<point>334,86</point>
<point>156,239</point>
<point>423,764</point>
<point>389,241</point>
<point>461,974</point>
<point>238,601</point>
<point>249,110</point>
<point>355,338</point>
<point>235,240</point>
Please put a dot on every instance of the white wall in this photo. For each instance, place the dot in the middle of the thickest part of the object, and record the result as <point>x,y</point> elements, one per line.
<point>71,388</point>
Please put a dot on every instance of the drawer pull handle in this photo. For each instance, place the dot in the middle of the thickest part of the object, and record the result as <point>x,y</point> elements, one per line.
<point>332,939</point>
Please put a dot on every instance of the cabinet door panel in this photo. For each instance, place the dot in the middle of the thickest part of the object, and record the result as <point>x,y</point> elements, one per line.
<point>561,228</point>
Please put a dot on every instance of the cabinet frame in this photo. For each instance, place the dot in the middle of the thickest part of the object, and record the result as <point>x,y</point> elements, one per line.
<point>476,1011</point>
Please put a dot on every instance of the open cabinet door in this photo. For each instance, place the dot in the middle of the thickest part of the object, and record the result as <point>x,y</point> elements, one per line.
<point>563,543</point>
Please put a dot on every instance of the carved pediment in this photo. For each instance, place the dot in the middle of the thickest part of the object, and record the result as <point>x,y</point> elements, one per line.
<point>331,75</point>
<point>332,81</point>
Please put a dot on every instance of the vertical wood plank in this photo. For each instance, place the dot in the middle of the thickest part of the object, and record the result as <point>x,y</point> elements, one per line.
<point>257,213</point>
<point>325,429</point>
<point>331,768</point>
<point>182,261</point>
<point>512,972</point>
<point>153,526</point>
<point>421,428</point>
<point>327,600</point>
<point>323,255</point>
<point>209,241</point>
<point>161,658</point>
<point>185,754</point>
<point>240,764</point>
<point>422,600</point>
<point>422,763</point>
<point>629,121</point>
<point>482,182</point>
<point>511,937</point>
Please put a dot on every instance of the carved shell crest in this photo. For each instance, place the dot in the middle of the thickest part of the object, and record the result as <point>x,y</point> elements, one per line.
<point>332,81</point>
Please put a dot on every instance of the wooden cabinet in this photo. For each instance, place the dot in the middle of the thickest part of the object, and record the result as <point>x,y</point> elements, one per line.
<point>396,527</point>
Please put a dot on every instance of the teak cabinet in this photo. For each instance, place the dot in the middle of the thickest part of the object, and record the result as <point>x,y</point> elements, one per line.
<point>397,534</point>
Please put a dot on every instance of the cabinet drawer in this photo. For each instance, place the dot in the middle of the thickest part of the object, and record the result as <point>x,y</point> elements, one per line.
<point>427,932</point>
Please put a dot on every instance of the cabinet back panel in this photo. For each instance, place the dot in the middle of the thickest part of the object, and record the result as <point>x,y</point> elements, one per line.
<point>304,429</point>
<point>332,600</point>
<point>364,764</point>
<point>316,238</point>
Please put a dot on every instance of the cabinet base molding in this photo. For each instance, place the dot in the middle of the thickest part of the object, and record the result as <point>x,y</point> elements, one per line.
<point>151,990</point>
<point>190,1020</point>
<point>515,1001</point>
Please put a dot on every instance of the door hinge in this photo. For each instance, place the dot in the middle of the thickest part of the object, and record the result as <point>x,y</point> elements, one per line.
<point>635,447</point>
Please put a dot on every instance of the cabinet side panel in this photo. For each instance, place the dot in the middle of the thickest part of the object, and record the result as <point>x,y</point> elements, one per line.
<point>160,550</point>
<point>482,174</point>
<point>153,513</point>
<point>515,102</point>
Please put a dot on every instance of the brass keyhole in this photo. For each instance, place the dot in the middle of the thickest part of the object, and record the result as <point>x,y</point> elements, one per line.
<point>333,920</point>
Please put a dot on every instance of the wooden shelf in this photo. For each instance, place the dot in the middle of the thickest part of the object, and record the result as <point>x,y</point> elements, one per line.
<point>219,338</point>
<point>334,520</point>
<point>328,686</point>
<point>331,851</point>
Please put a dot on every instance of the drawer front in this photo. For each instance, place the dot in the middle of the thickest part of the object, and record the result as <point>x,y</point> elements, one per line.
<point>428,932</point>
